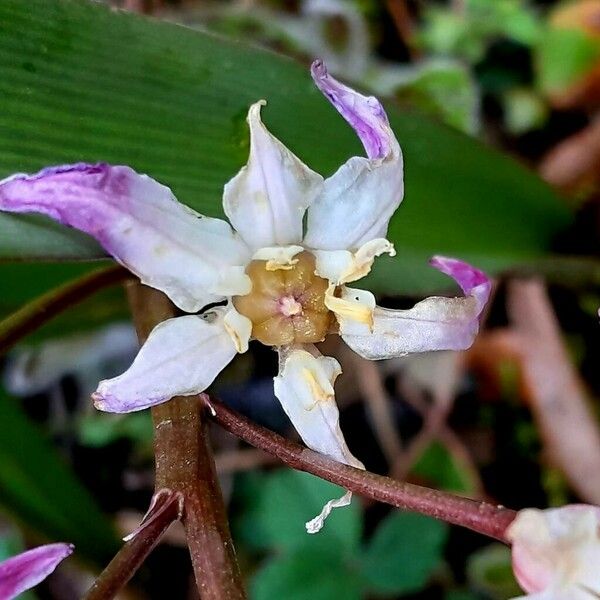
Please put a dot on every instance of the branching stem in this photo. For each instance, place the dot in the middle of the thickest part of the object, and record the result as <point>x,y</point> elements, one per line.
<point>482,517</point>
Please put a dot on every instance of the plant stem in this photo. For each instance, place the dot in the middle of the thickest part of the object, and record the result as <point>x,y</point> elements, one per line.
<point>184,463</point>
<point>41,310</point>
<point>482,517</point>
<point>130,557</point>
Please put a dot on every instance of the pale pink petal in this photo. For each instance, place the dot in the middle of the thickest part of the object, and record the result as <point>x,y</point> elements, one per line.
<point>436,323</point>
<point>193,259</point>
<point>267,199</point>
<point>181,357</point>
<point>556,552</point>
<point>357,201</point>
<point>26,570</point>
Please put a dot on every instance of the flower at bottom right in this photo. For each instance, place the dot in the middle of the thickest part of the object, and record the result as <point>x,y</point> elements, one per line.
<point>556,552</point>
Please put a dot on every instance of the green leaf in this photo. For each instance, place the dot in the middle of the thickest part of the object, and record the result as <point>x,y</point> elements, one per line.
<point>174,104</point>
<point>100,429</point>
<point>288,499</point>
<point>307,575</point>
<point>439,467</point>
<point>38,488</point>
<point>563,56</point>
<point>403,554</point>
<point>490,572</point>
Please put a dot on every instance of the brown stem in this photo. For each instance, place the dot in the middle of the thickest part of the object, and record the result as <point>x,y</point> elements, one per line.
<point>38,312</point>
<point>184,462</point>
<point>484,518</point>
<point>129,558</point>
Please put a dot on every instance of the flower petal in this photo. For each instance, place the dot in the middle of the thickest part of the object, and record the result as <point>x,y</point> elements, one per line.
<point>435,323</point>
<point>343,266</point>
<point>304,387</point>
<point>26,570</point>
<point>357,202</point>
<point>557,551</point>
<point>353,309</point>
<point>193,259</point>
<point>181,357</point>
<point>267,199</point>
<point>365,114</point>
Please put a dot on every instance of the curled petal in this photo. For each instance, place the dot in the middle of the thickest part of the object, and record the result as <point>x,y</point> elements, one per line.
<point>357,202</point>
<point>267,199</point>
<point>435,323</point>
<point>353,309</point>
<point>26,570</point>
<point>181,357</point>
<point>343,266</point>
<point>556,552</point>
<point>365,114</point>
<point>193,259</point>
<point>304,387</point>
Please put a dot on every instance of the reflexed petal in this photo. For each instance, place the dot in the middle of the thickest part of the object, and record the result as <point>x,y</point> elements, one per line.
<point>191,258</point>
<point>26,570</point>
<point>304,387</point>
<point>343,266</point>
<point>365,114</point>
<point>435,323</point>
<point>556,552</point>
<point>182,356</point>
<point>267,199</point>
<point>357,201</point>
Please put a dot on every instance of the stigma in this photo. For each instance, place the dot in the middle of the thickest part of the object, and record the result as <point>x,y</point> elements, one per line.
<point>286,306</point>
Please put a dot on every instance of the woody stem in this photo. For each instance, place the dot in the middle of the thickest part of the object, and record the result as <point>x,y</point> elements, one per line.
<point>185,464</point>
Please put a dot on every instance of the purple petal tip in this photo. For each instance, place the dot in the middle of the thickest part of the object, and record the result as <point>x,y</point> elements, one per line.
<point>471,280</point>
<point>26,570</point>
<point>365,114</point>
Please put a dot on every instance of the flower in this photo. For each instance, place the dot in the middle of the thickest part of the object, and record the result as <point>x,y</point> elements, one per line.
<point>284,285</point>
<point>27,569</point>
<point>556,552</point>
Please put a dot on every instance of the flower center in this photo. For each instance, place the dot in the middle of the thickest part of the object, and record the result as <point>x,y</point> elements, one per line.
<point>286,306</point>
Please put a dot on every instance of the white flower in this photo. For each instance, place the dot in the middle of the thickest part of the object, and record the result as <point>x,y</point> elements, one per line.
<point>283,285</point>
<point>556,552</point>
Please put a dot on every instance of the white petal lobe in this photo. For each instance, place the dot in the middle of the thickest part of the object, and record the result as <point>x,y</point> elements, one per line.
<point>343,266</point>
<point>304,387</point>
<point>181,357</point>
<point>266,201</point>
